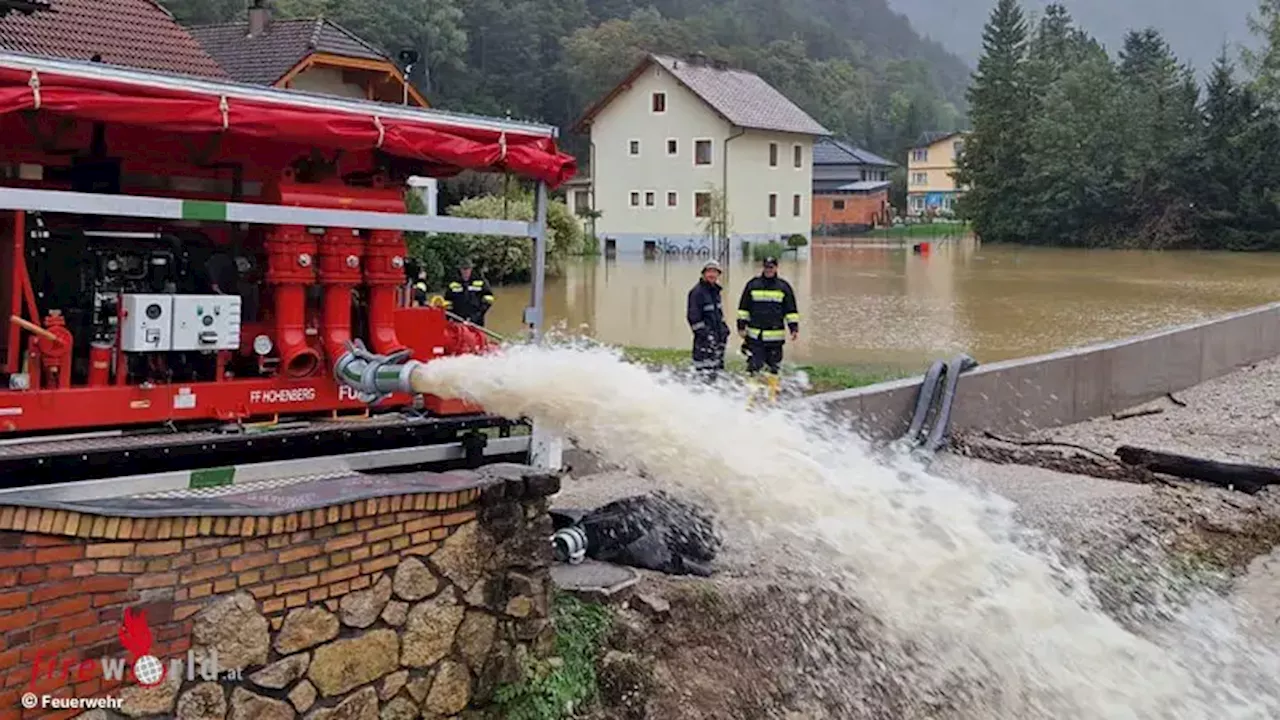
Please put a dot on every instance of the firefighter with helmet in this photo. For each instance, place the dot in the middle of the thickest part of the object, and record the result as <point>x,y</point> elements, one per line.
<point>706,319</point>
<point>469,297</point>
<point>767,314</point>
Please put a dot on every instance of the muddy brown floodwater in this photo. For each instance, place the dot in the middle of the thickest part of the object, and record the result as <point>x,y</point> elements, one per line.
<point>878,304</point>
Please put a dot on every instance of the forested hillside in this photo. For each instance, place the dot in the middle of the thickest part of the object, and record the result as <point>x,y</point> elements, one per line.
<point>855,65</point>
<point>1195,29</point>
<point>1074,146</point>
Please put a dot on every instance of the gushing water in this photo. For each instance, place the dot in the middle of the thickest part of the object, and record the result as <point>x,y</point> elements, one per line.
<point>940,567</point>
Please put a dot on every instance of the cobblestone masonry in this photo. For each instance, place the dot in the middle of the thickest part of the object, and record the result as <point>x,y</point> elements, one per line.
<point>396,607</point>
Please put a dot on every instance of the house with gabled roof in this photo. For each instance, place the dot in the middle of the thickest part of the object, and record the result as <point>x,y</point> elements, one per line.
<point>687,150</point>
<point>307,54</point>
<point>850,188</point>
<point>131,33</point>
<point>931,167</point>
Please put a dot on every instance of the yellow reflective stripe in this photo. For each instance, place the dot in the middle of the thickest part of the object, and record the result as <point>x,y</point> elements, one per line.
<point>752,332</point>
<point>767,295</point>
<point>766,334</point>
<point>477,283</point>
<point>455,286</point>
<point>421,286</point>
<point>744,314</point>
<point>488,298</point>
<point>793,317</point>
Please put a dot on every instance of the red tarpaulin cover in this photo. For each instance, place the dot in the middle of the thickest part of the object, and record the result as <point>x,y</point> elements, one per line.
<point>198,112</point>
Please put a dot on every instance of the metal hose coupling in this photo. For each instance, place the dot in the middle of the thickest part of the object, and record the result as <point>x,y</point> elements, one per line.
<point>372,376</point>
<point>569,545</point>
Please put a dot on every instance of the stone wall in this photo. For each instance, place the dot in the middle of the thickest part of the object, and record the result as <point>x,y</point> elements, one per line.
<point>392,607</point>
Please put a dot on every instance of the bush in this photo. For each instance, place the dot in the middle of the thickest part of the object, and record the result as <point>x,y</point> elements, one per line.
<point>769,249</point>
<point>499,259</point>
<point>797,241</point>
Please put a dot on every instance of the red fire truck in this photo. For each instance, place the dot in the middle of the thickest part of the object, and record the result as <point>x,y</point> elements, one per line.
<point>184,262</point>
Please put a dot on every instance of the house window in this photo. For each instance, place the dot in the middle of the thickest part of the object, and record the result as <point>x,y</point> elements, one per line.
<point>672,199</point>
<point>920,178</point>
<point>650,199</point>
<point>917,203</point>
<point>773,154</point>
<point>920,154</point>
<point>659,102</point>
<point>635,199</point>
<point>702,204</point>
<point>581,201</point>
<point>773,205</point>
<point>634,148</point>
<point>702,152</point>
<point>797,156</point>
<point>864,175</point>
<point>673,147</point>
<point>837,204</point>
<point>795,206</point>
<point>958,147</point>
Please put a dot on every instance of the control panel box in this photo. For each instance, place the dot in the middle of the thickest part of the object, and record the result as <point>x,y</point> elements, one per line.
<point>147,325</point>
<point>206,322</point>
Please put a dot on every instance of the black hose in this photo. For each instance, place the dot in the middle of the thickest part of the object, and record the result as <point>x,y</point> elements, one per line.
<point>928,391</point>
<point>937,436</point>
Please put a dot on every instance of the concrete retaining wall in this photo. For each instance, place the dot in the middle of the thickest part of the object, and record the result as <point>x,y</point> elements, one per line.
<point>1078,384</point>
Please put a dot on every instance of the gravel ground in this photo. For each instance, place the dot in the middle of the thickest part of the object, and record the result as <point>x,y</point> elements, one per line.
<point>1234,418</point>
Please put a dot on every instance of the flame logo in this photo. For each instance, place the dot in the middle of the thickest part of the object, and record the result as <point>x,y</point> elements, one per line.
<point>135,635</point>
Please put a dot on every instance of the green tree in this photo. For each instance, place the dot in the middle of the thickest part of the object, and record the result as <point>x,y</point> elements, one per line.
<point>1264,63</point>
<point>993,163</point>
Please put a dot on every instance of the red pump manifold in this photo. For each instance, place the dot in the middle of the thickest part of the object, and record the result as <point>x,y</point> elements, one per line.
<point>55,355</point>
<point>291,252</point>
<point>384,274</point>
<point>339,256</point>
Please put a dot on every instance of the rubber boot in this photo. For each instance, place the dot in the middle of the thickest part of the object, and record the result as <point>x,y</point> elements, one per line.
<point>774,384</point>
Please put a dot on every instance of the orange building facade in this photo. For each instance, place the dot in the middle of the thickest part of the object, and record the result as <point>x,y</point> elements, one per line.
<point>851,210</point>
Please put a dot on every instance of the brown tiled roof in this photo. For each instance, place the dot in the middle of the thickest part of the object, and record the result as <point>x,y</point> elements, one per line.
<point>263,59</point>
<point>132,33</point>
<point>740,97</point>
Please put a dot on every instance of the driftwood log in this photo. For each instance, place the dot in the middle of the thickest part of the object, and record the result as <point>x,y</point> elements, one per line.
<point>1245,478</point>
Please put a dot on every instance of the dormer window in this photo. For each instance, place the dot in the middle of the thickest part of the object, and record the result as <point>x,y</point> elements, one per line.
<point>659,102</point>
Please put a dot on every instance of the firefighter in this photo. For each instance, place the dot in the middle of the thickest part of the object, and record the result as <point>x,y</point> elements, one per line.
<point>420,290</point>
<point>706,319</point>
<point>767,313</point>
<point>469,298</point>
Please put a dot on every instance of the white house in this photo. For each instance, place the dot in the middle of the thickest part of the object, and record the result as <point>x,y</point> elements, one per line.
<point>677,139</point>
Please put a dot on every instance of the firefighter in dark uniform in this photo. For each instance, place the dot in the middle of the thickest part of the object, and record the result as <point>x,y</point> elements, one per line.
<point>706,319</point>
<point>420,297</point>
<point>766,315</point>
<point>469,298</point>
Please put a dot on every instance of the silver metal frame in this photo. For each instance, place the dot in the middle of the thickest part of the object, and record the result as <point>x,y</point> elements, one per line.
<point>283,470</point>
<point>154,208</point>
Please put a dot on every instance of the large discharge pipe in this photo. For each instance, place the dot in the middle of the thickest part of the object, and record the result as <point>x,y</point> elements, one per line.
<point>374,377</point>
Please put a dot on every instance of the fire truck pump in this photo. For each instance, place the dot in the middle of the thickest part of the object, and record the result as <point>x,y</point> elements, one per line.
<point>127,304</point>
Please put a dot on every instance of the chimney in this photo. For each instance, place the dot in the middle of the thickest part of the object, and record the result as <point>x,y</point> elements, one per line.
<point>259,17</point>
<point>697,58</point>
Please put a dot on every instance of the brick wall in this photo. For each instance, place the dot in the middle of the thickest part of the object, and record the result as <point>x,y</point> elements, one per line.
<point>860,209</point>
<point>66,578</point>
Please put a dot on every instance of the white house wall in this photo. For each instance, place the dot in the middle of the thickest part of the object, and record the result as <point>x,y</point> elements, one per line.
<point>752,180</point>
<point>327,81</point>
<point>687,119</point>
<point>616,173</point>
